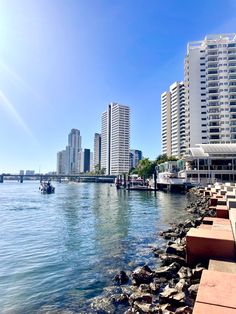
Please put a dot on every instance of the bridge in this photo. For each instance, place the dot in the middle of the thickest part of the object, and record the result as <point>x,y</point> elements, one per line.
<point>58,177</point>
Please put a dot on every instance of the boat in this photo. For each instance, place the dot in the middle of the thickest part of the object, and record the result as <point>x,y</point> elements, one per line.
<point>47,188</point>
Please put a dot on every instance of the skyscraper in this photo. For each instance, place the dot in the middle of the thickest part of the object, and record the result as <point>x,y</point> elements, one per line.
<point>73,148</point>
<point>135,157</point>
<point>61,162</point>
<point>173,120</point>
<point>115,139</point>
<point>97,151</point>
<point>210,79</point>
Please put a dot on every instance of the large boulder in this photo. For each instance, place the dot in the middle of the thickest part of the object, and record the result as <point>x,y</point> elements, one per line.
<point>142,275</point>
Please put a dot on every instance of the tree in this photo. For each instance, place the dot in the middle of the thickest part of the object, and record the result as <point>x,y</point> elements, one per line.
<point>145,168</point>
<point>163,158</point>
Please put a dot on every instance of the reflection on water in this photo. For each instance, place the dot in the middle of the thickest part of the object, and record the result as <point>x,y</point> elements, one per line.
<point>59,250</point>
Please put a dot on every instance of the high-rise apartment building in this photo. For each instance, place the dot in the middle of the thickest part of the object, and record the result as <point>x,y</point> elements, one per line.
<point>173,120</point>
<point>73,148</point>
<point>166,123</point>
<point>97,151</point>
<point>135,157</point>
<point>210,80</point>
<point>115,139</point>
<point>61,162</point>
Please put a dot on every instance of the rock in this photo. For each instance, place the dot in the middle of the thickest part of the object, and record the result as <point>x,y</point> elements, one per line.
<point>140,297</point>
<point>193,290</point>
<point>168,259</point>
<point>165,296</point>
<point>184,310</point>
<point>176,249</point>
<point>184,272</point>
<point>121,278</point>
<point>167,271</point>
<point>157,251</point>
<point>144,288</point>
<point>120,298</point>
<point>181,285</point>
<point>128,290</point>
<point>142,275</point>
<point>197,272</point>
<point>154,286</point>
<point>103,305</point>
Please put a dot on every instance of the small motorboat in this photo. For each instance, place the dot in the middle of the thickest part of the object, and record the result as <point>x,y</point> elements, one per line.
<point>47,188</point>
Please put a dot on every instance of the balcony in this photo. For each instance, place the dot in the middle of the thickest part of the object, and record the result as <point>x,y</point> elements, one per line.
<point>214,124</point>
<point>214,137</point>
<point>232,103</point>
<point>213,103</point>
<point>213,91</point>
<point>232,77</point>
<point>233,130</point>
<point>212,85</point>
<point>215,117</point>
<point>212,72</point>
<point>213,98</point>
<point>215,130</point>
<point>233,116</point>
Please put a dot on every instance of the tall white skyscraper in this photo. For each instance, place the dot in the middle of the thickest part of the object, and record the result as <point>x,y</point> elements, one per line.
<point>73,148</point>
<point>115,139</point>
<point>173,120</point>
<point>210,79</point>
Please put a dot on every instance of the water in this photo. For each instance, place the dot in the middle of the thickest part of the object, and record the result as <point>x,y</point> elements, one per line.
<point>58,251</point>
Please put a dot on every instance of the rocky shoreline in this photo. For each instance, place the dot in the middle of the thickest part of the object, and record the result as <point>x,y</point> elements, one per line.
<point>170,288</point>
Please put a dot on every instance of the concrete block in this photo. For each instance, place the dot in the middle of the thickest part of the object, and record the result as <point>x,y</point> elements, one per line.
<point>204,244</point>
<point>223,266</point>
<point>232,218</point>
<point>203,308</point>
<point>217,288</point>
<point>231,203</point>
<point>222,211</point>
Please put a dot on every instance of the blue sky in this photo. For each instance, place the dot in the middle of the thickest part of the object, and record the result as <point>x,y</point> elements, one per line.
<point>62,62</point>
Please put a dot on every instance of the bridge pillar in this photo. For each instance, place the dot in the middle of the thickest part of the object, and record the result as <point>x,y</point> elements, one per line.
<point>21,179</point>
<point>1,178</point>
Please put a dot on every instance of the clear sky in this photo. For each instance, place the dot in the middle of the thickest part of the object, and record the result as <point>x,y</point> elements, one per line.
<point>63,61</point>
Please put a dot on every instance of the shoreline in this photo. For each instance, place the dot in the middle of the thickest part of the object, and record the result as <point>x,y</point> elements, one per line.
<point>169,288</point>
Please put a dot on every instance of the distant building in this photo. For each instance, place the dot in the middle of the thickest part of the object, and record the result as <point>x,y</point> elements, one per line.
<point>97,152</point>
<point>135,157</point>
<point>91,161</point>
<point>84,156</point>
<point>22,172</point>
<point>61,162</point>
<point>30,172</point>
<point>115,139</point>
<point>173,120</point>
<point>73,148</point>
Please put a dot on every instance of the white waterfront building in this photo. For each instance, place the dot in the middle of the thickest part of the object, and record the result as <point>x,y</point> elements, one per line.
<point>115,139</point>
<point>173,120</point>
<point>210,80</point>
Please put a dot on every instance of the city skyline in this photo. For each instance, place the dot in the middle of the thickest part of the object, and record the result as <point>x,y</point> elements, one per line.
<point>62,62</point>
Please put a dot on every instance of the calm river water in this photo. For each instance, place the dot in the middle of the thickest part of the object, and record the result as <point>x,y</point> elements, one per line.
<point>59,251</point>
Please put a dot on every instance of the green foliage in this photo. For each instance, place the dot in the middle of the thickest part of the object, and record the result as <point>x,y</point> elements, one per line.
<point>163,158</point>
<point>146,168</point>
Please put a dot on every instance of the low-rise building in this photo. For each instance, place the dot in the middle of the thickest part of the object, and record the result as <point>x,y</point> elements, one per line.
<point>210,163</point>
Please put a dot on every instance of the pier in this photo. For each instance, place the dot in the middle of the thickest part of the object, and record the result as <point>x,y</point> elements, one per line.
<point>59,178</point>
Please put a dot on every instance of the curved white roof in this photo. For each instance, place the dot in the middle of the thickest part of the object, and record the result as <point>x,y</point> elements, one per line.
<point>212,149</point>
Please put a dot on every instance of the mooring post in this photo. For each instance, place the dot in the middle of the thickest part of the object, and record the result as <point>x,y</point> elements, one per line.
<point>1,178</point>
<point>21,179</point>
